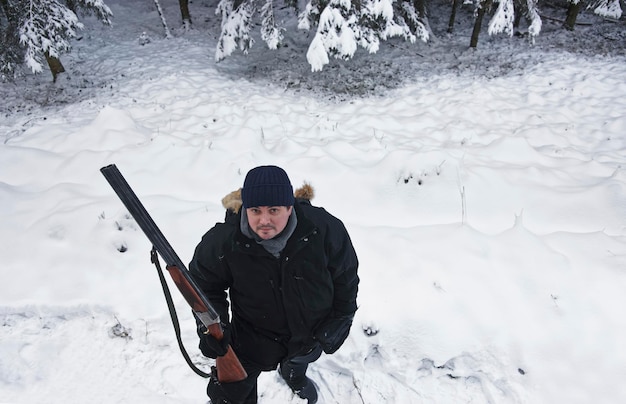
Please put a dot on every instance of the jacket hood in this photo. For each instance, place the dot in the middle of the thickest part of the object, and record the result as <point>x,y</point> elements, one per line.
<point>233,202</point>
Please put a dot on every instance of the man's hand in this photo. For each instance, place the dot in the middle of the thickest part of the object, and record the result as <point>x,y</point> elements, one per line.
<point>333,332</point>
<point>211,347</point>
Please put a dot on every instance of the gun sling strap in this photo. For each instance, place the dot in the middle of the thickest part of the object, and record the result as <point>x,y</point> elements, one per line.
<point>170,305</point>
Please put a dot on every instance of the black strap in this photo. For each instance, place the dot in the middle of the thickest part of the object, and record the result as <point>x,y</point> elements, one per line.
<point>170,305</point>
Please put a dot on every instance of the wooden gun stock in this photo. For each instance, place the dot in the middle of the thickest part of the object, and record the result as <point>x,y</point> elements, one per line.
<point>229,369</point>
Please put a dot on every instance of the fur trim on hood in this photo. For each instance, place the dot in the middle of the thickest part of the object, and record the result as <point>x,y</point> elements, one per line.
<point>233,201</point>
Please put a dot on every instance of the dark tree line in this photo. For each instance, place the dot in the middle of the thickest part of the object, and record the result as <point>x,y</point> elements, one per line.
<point>343,25</point>
<point>506,15</point>
<point>34,31</point>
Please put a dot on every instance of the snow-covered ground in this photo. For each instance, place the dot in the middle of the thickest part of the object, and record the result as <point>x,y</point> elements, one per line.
<point>485,192</point>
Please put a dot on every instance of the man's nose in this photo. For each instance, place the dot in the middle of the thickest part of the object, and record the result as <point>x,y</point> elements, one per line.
<point>265,218</point>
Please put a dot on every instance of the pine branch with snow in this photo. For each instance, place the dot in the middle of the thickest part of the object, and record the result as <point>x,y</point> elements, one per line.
<point>533,17</point>
<point>504,17</point>
<point>236,24</point>
<point>502,20</point>
<point>270,32</point>
<point>388,18</point>
<point>94,7</point>
<point>417,23</point>
<point>607,8</point>
<point>336,35</point>
<point>45,29</point>
<point>38,29</point>
<point>343,25</point>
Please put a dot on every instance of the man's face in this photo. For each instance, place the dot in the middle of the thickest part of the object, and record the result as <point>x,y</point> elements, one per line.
<point>268,221</point>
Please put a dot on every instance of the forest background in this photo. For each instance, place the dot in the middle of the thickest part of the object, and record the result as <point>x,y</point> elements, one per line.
<point>35,33</point>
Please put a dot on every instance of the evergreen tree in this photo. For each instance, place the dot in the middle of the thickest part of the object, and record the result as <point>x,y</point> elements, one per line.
<point>342,26</point>
<point>270,32</point>
<point>91,7</point>
<point>604,8</point>
<point>44,31</point>
<point>531,12</point>
<point>236,23</point>
<point>607,8</point>
<point>504,17</point>
<point>41,29</point>
<point>502,20</point>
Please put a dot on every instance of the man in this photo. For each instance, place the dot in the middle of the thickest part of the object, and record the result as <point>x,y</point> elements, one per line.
<point>289,271</point>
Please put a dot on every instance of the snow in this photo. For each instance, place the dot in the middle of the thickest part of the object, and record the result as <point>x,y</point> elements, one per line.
<point>484,191</point>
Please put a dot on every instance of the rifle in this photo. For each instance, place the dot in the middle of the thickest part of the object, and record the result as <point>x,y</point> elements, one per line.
<point>229,369</point>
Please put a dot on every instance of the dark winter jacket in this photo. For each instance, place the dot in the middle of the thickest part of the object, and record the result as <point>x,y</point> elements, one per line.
<point>281,307</point>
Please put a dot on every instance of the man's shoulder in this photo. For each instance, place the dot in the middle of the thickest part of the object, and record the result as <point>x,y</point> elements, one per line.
<point>221,231</point>
<point>317,214</point>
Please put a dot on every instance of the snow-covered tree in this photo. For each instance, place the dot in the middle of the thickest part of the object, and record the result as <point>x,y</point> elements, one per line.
<point>91,7</point>
<point>607,8</point>
<point>504,17</point>
<point>341,26</point>
<point>533,18</point>
<point>502,20</point>
<point>270,32</point>
<point>604,8</point>
<point>41,29</point>
<point>236,24</point>
<point>45,32</point>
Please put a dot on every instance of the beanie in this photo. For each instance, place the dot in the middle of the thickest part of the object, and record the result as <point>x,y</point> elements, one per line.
<point>267,186</point>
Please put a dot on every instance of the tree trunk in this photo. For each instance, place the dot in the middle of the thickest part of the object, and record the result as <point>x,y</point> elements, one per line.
<point>455,5</point>
<point>420,7</point>
<point>160,11</point>
<point>485,5</point>
<point>517,12</point>
<point>572,14</point>
<point>55,66</point>
<point>184,12</point>
<point>71,4</point>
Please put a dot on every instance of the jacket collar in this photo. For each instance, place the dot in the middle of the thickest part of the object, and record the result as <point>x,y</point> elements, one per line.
<point>305,228</point>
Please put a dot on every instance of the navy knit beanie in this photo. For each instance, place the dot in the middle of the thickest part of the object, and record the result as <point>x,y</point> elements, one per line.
<point>267,186</point>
